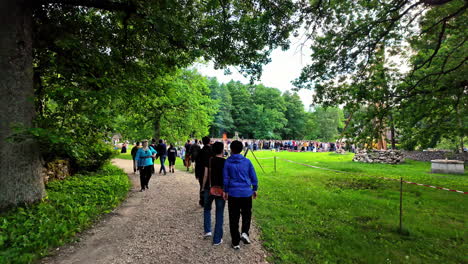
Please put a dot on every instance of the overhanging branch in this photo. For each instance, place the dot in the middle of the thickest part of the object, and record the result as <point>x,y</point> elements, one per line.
<point>436,2</point>
<point>99,4</point>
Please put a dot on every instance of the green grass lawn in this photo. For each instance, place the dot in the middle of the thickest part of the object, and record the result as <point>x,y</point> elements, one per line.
<point>126,156</point>
<point>310,215</point>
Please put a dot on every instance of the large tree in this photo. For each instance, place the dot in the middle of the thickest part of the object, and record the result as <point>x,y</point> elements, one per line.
<point>347,38</point>
<point>223,122</point>
<point>296,116</point>
<point>95,44</point>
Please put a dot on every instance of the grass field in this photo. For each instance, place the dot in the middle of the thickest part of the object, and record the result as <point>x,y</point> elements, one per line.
<point>310,215</point>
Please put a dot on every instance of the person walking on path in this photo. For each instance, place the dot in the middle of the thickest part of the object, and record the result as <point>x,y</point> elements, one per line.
<point>214,173</point>
<point>162,154</point>
<point>144,158</point>
<point>240,186</point>
<point>133,152</point>
<point>194,150</point>
<point>153,146</point>
<point>171,157</point>
<point>187,154</point>
<point>201,163</point>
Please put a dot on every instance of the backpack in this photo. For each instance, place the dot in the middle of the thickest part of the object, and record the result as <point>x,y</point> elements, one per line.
<point>194,151</point>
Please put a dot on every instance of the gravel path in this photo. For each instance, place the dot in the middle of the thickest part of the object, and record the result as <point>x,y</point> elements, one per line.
<point>161,225</point>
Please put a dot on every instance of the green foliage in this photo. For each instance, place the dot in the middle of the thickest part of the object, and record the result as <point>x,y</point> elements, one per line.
<point>296,117</point>
<point>439,85</point>
<point>27,233</point>
<point>223,122</point>
<point>324,124</point>
<point>358,49</point>
<point>174,107</point>
<point>309,215</point>
<point>256,111</point>
<point>101,69</point>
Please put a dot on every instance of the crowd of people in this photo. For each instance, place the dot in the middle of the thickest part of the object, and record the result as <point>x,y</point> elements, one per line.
<point>220,179</point>
<point>292,145</point>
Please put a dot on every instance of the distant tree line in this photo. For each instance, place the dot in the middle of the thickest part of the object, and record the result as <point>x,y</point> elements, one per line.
<point>260,112</point>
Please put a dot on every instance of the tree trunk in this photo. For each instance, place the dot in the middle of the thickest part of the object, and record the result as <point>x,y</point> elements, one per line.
<point>392,132</point>
<point>157,127</point>
<point>20,164</point>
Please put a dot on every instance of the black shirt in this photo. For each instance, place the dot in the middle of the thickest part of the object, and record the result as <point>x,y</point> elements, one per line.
<point>161,149</point>
<point>217,165</point>
<point>187,148</point>
<point>202,160</point>
<point>171,153</point>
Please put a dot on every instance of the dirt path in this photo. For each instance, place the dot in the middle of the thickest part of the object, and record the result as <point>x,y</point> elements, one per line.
<point>161,225</point>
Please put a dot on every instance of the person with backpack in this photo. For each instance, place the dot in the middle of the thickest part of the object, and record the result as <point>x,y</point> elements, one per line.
<point>194,150</point>
<point>240,187</point>
<point>144,159</point>
<point>133,153</point>
<point>162,154</point>
<point>187,154</point>
<point>171,157</point>
<point>153,146</point>
<point>201,163</point>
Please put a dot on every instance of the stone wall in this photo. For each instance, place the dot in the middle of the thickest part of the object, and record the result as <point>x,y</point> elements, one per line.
<point>379,156</point>
<point>433,155</point>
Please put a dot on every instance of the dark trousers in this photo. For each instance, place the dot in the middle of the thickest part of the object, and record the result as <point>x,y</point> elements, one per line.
<point>145,175</point>
<point>199,173</point>
<point>171,161</point>
<point>239,206</point>
<point>201,200</point>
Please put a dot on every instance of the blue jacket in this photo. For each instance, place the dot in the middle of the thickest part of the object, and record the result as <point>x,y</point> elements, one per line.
<point>144,157</point>
<point>239,176</point>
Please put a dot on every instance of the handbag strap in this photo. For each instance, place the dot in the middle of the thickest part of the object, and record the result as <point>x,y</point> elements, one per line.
<point>209,171</point>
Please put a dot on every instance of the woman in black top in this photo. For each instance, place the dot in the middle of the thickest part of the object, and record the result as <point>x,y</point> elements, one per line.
<point>171,156</point>
<point>215,170</point>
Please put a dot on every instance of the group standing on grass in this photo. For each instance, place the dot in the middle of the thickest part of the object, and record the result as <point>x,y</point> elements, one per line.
<point>233,180</point>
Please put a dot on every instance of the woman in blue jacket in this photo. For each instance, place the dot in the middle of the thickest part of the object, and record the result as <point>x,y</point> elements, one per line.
<point>240,186</point>
<point>144,159</point>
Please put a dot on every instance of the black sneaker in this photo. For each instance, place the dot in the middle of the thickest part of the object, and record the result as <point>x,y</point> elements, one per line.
<point>236,247</point>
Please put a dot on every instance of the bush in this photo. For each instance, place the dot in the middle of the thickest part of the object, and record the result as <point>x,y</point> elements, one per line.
<point>27,233</point>
<point>86,152</point>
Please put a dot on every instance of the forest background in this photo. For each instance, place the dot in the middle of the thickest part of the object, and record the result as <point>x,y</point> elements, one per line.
<point>76,72</point>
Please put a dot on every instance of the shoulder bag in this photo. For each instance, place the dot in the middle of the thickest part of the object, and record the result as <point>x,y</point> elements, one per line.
<point>214,190</point>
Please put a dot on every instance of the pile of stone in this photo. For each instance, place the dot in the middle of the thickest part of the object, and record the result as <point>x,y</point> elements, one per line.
<point>340,151</point>
<point>379,156</point>
<point>57,169</point>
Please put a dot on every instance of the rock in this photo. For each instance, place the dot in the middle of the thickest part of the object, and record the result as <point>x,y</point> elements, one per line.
<point>379,156</point>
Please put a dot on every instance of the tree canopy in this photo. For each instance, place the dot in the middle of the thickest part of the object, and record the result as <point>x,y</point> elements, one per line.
<point>354,44</point>
<point>87,56</point>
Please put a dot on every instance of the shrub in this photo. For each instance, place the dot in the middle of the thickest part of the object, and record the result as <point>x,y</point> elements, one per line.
<point>27,233</point>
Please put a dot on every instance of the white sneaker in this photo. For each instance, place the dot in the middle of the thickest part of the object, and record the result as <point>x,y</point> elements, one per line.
<point>245,238</point>
<point>207,235</point>
<point>217,244</point>
<point>235,247</point>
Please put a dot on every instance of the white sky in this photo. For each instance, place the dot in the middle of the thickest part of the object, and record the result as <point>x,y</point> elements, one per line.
<point>285,66</point>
